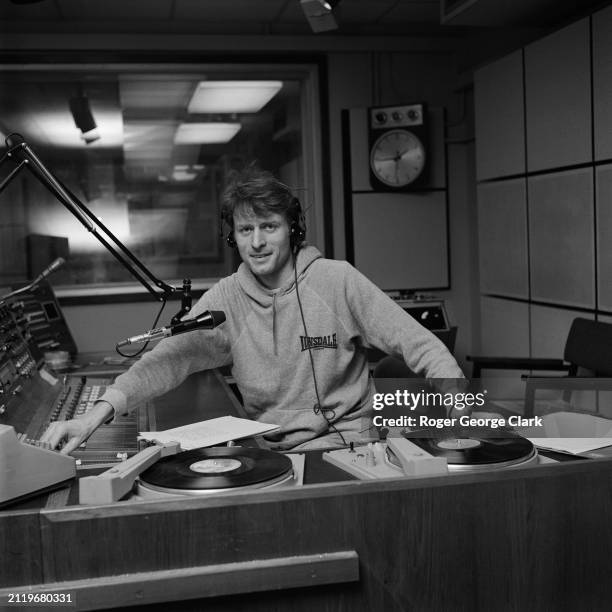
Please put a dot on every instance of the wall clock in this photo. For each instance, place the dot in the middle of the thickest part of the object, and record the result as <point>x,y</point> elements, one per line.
<point>398,153</point>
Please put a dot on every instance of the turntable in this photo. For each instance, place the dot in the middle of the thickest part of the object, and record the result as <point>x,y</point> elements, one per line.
<point>204,471</point>
<point>420,453</point>
<point>477,451</point>
<point>161,472</point>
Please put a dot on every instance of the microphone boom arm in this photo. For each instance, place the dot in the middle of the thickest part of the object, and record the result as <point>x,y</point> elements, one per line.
<point>22,154</point>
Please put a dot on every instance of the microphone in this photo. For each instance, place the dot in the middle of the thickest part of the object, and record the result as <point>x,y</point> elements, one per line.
<point>52,267</point>
<point>207,320</point>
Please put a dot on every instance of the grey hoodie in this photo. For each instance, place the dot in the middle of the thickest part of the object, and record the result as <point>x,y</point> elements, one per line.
<point>267,341</point>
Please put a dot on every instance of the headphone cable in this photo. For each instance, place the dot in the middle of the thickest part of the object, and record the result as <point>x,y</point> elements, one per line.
<point>317,408</point>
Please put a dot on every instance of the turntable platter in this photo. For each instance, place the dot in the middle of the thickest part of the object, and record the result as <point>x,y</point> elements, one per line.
<point>474,452</point>
<point>206,470</point>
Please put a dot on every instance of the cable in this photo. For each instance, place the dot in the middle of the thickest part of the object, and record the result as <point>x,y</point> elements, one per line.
<point>317,408</point>
<point>144,346</point>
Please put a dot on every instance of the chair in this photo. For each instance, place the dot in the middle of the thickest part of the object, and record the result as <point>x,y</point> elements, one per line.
<point>587,356</point>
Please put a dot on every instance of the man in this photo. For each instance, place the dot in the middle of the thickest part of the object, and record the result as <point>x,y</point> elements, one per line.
<point>296,333</point>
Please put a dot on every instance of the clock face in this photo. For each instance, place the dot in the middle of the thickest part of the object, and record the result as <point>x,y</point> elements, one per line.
<point>397,158</point>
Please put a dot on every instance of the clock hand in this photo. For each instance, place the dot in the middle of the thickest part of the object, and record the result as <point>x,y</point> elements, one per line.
<point>396,158</point>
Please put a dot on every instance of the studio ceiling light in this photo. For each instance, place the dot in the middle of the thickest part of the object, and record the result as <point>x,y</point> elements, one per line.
<point>232,96</point>
<point>319,14</point>
<point>205,133</point>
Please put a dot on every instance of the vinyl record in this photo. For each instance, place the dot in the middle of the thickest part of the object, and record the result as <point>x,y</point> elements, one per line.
<point>470,451</point>
<point>216,468</point>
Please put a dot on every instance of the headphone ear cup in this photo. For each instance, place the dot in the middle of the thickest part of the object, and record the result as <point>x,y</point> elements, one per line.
<point>298,227</point>
<point>297,234</point>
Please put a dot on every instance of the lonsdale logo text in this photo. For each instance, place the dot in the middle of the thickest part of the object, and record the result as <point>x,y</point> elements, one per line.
<point>318,342</point>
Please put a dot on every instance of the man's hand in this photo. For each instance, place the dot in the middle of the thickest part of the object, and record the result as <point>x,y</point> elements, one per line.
<point>74,432</point>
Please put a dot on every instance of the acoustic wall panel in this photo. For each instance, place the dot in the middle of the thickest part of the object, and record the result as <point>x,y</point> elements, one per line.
<point>602,83</point>
<point>558,98</point>
<point>502,232</point>
<point>561,238</point>
<point>400,239</point>
<point>603,207</point>
<point>505,328</point>
<point>499,107</point>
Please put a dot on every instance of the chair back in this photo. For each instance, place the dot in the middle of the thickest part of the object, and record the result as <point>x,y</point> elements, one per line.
<point>589,348</point>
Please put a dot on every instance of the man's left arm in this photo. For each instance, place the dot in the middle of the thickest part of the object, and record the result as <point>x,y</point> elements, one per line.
<point>386,326</point>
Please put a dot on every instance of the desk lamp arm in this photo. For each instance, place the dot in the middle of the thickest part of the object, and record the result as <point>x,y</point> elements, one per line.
<point>24,156</point>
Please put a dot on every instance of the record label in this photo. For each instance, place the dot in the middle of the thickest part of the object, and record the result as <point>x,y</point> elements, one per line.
<point>215,466</point>
<point>458,443</point>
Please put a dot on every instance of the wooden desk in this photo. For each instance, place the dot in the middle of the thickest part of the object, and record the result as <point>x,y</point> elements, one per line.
<point>532,538</point>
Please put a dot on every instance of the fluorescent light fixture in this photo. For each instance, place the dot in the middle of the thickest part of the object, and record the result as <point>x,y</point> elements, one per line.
<point>181,176</point>
<point>232,96</point>
<point>206,133</point>
<point>185,172</point>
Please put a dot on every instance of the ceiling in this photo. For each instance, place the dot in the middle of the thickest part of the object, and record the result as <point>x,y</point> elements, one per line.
<point>278,17</point>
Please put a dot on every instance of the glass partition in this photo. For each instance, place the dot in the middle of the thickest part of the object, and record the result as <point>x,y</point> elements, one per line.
<point>147,148</point>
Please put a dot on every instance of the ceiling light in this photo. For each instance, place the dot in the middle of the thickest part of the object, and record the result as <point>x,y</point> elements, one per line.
<point>232,96</point>
<point>319,14</point>
<point>181,176</point>
<point>206,133</point>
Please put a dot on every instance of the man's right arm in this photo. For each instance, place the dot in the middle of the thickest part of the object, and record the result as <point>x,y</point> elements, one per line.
<point>74,432</point>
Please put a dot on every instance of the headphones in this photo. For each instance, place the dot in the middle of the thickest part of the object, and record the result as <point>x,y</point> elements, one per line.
<point>297,227</point>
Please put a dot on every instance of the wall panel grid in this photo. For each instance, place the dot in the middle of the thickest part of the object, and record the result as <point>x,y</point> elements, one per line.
<point>544,172</point>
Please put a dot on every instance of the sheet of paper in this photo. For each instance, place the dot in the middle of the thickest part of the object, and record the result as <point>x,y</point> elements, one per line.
<point>570,432</point>
<point>211,432</point>
<point>571,445</point>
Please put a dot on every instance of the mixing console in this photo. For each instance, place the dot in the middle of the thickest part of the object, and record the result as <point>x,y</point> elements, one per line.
<point>32,396</point>
<point>109,443</point>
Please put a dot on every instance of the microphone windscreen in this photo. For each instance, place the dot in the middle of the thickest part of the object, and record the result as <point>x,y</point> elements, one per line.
<point>218,317</point>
